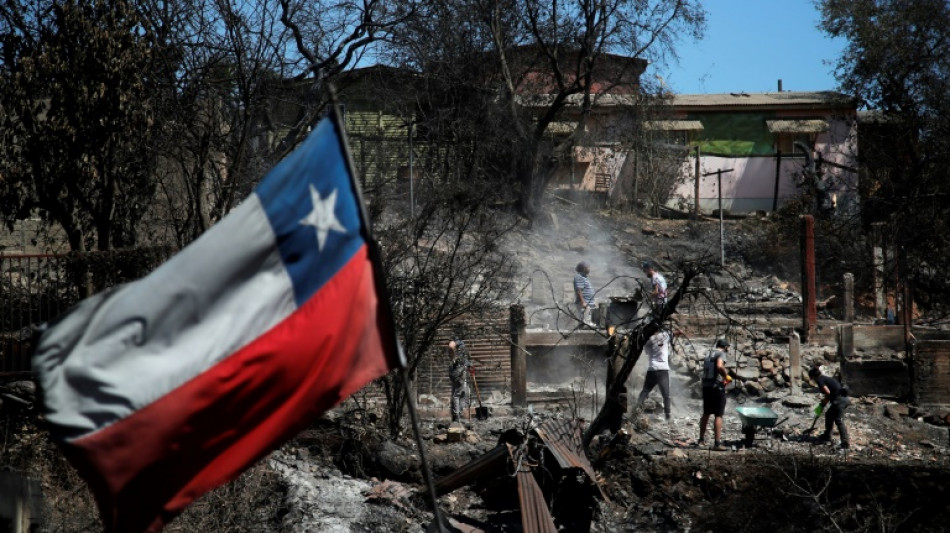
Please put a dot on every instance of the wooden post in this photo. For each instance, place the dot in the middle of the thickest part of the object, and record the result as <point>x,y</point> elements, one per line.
<point>877,258</point>
<point>845,342</point>
<point>519,379</point>
<point>778,177</point>
<point>905,313</point>
<point>795,363</point>
<point>809,310</point>
<point>615,360</point>
<point>847,313</point>
<point>696,186</point>
<point>602,315</point>
<point>722,238</point>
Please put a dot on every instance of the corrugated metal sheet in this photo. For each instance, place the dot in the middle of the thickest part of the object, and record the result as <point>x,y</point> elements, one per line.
<point>598,100</point>
<point>797,126</point>
<point>563,439</point>
<point>673,125</point>
<point>492,463</point>
<point>535,516</point>
<point>489,346</point>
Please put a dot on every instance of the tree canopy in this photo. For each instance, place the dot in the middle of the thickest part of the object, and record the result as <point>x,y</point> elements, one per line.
<point>77,108</point>
<point>898,62</point>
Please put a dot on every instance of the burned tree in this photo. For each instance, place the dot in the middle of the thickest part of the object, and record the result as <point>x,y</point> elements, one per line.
<point>628,346</point>
<point>540,64</point>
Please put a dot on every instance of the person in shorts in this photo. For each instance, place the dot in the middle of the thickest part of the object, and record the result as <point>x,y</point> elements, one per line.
<point>715,379</point>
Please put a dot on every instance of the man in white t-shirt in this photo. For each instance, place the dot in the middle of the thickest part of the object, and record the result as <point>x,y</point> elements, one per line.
<point>659,284</point>
<point>657,349</point>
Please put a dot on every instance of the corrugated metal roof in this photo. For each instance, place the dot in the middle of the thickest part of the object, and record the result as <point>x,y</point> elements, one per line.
<point>673,125</point>
<point>535,516</point>
<point>564,439</point>
<point>782,99</point>
<point>797,126</point>
<point>597,100</point>
<point>494,462</point>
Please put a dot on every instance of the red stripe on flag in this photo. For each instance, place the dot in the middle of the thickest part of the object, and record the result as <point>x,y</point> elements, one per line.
<point>147,467</point>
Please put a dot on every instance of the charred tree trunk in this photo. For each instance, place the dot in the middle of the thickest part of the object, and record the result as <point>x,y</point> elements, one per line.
<point>630,346</point>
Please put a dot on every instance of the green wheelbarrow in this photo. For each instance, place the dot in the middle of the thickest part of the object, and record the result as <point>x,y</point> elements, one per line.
<point>755,420</point>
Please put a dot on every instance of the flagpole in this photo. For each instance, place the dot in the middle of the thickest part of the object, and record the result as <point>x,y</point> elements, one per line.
<point>383,294</point>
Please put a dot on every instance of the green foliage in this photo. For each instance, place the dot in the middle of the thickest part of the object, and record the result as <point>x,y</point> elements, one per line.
<point>77,117</point>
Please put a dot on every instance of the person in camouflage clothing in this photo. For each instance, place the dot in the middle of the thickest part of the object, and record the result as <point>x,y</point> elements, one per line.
<point>458,375</point>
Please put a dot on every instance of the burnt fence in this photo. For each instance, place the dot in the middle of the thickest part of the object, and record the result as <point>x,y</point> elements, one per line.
<point>36,288</point>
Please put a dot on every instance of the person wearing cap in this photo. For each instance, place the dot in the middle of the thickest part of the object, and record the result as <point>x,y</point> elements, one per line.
<point>715,379</point>
<point>583,292</point>
<point>659,284</point>
<point>834,402</point>
<point>459,369</point>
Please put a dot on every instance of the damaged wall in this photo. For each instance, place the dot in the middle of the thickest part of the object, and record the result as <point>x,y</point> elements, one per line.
<point>931,375</point>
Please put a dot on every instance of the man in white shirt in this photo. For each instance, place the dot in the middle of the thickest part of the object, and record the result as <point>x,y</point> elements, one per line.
<point>659,284</point>
<point>657,349</point>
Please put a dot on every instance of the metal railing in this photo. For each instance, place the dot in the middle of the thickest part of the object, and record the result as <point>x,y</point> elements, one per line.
<point>33,289</point>
<point>36,288</point>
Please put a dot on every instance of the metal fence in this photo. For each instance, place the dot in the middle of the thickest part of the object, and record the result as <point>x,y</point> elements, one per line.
<point>35,288</point>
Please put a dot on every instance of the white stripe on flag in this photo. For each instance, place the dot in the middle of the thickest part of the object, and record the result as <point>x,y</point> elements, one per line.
<point>139,342</point>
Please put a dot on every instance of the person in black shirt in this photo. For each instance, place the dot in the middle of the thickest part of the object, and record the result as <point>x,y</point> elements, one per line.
<point>834,402</point>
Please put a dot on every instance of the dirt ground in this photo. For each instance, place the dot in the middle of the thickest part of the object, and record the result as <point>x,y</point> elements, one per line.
<point>891,479</point>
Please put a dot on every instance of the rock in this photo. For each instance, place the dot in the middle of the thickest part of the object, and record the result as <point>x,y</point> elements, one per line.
<point>752,388</point>
<point>455,433</point>
<point>799,401</point>
<point>24,389</point>
<point>646,230</point>
<point>767,364</point>
<point>767,384</point>
<point>896,411</point>
<point>748,373</point>
<point>396,460</point>
<point>577,245</point>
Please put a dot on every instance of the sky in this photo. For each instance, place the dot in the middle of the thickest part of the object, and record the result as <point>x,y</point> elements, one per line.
<point>749,45</point>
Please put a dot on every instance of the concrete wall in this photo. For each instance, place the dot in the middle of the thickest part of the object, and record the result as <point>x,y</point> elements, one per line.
<point>887,378</point>
<point>869,363</point>
<point>931,375</point>
<point>858,338</point>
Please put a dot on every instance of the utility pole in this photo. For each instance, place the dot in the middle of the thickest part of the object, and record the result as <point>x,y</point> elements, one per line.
<point>722,240</point>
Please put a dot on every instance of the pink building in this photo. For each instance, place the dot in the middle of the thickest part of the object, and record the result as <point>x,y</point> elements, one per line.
<point>767,140</point>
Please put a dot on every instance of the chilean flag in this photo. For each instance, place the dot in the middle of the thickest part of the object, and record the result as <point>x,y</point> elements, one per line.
<point>165,388</point>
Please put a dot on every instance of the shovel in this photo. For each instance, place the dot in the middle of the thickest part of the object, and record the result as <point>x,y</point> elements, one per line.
<point>481,412</point>
<point>814,422</point>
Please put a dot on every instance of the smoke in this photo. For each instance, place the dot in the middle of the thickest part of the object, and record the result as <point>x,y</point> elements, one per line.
<point>549,252</point>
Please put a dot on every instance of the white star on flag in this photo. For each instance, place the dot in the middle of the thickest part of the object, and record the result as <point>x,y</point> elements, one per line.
<point>322,217</point>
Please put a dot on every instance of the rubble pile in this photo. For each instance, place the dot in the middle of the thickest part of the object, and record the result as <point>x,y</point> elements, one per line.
<point>757,368</point>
